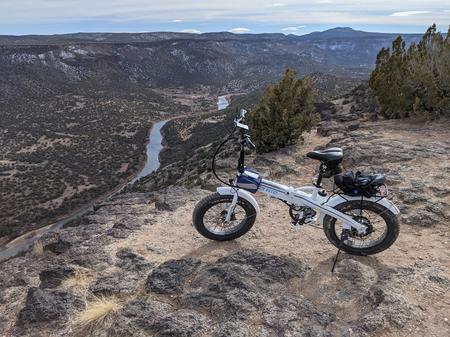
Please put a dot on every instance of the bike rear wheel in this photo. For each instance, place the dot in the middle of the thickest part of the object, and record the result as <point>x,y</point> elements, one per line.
<point>382,227</point>
<point>210,214</point>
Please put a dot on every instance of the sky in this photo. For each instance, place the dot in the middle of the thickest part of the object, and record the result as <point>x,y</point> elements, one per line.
<point>19,17</point>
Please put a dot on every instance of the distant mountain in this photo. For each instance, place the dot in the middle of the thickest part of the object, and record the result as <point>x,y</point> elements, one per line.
<point>223,60</point>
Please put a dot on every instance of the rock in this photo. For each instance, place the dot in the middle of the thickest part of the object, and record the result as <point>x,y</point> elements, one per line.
<point>232,328</point>
<point>119,233</point>
<point>275,268</point>
<point>440,191</point>
<point>128,224</point>
<point>59,247</point>
<point>438,208</point>
<point>136,318</point>
<point>353,126</point>
<point>422,217</point>
<point>113,284</point>
<point>44,306</point>
<point>52,278</point>
<point>418,185</point>
<point>171,198</point>
<point>390,307</point>
<point>326,129</point>
<point>239,284</point>
<point>169,277</point>
<point>131,261</point>
<point>438,277</point>
<point>361,276</point>
<point>182,323</point>
<point>295,316</point>
<point>91,257</point>
<point>410,196</point>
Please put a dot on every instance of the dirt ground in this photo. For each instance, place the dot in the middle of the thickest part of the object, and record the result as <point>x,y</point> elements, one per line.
<point>173,237</point>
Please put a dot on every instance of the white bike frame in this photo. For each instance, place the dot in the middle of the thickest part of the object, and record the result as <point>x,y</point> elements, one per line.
<point>303,196</point>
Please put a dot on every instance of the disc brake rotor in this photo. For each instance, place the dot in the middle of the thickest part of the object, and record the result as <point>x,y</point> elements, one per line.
<point>365,222</point>
<point>224,213</point>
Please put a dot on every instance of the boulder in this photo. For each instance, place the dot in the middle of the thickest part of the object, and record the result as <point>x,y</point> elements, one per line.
<point>169,277</point>
<point>52,278</point>
<point>117,283</point>
<point>45,306</point>
<point>128,260</point>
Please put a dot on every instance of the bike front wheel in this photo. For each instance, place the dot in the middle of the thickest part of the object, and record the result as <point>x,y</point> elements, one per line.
<point>209,217</point>
<point>382,227</point>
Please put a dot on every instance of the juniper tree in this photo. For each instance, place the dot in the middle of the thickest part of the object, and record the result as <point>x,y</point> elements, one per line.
<point>285,111</point>
<point>414,81</point>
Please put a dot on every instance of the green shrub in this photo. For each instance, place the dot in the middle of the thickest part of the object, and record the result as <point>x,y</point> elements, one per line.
<point>414,81</point>
<point>285,111</point>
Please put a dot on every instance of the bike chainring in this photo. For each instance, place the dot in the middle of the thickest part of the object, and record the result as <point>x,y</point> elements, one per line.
<point>295,210</point>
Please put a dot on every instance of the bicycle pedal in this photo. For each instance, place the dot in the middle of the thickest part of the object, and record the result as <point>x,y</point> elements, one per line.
<point>297,227</point>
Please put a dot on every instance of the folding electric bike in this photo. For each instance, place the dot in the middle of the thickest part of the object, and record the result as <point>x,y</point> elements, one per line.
<point>357,218</point>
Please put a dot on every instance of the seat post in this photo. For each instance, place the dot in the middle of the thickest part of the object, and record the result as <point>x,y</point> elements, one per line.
<point>320,177</point>
<point>319,180</point>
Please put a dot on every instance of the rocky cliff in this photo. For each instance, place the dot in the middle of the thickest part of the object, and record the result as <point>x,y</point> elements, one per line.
<point>136,266</point>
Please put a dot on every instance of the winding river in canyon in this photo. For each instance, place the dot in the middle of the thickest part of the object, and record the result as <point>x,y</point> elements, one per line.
<point>153,150</point>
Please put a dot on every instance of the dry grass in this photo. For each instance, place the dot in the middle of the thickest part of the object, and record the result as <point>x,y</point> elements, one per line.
<point>97,316</point>
<point>38,248</point>
<point>79,280</point>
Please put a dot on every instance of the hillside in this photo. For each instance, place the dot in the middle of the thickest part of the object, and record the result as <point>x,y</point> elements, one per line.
<point>75,109</point>
<point>140,250</point>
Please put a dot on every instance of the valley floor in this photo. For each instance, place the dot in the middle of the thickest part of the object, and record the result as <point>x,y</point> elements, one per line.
<point>142,249</point>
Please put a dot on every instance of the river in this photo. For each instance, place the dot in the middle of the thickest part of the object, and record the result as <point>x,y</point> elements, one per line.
<point>153,149</point>
<point>222,102</point>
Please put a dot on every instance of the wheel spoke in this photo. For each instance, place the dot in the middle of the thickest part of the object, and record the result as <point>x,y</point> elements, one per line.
<point>214,218</point>
<point>372,220</point>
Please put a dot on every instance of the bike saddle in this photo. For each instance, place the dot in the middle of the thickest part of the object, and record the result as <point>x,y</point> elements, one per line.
<point>331,156</point>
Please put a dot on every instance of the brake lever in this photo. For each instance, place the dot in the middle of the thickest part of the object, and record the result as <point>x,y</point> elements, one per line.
<point>249,143</point>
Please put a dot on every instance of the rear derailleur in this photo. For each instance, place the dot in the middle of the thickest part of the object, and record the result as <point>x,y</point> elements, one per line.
<point>301,215</point>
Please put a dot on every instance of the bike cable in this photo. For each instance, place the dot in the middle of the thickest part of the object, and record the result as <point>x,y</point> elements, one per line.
<point>214,159</point>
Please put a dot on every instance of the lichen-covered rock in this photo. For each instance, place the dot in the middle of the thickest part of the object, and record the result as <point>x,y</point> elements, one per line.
<point>116,283</point>
<point>182,323</point>
<point>169,277</point>
<point>52,278</point>
<point>236,328</point>
<point>132,261</point>
<point>295,316</point>
<point>137,318</point>
<point>240,283</point>
<point>44,307</point>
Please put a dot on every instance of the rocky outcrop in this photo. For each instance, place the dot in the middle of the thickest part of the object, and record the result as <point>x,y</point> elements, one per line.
<point>141,249</point>
<point>248,293</point>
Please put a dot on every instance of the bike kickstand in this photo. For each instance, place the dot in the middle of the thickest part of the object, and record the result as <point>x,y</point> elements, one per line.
<point>344,236</point>
<point>335,259</point>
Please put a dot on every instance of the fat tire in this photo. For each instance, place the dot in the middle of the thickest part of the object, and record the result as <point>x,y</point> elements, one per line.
<point>391,220</point>
<point>206,203</point>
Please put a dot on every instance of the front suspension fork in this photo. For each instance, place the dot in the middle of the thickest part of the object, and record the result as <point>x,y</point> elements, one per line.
<point>232,207</point>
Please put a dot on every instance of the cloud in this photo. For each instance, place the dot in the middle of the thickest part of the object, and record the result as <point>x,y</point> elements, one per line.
<point>190,31</point>
<point>409,13</point>
<point>239,30</point>
<point>292,29</point>
<point>132,15</point>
